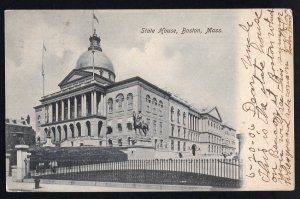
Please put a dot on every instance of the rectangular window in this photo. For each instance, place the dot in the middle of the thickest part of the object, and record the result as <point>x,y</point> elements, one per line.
<point>172,145</point>
<point>119,127</point>
<point>160,127</point>
<point>161,143</point>
<point>154,126</point>
<point>184,146</point>
<point>178,146</point>
<point>129,126</point>
<point>172,130</point>
<point>179,132</point>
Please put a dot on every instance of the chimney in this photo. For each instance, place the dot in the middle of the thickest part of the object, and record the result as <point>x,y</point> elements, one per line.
<point>28,119</point>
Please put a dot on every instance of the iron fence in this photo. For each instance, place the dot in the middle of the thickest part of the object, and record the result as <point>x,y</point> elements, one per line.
<point>215,172</point>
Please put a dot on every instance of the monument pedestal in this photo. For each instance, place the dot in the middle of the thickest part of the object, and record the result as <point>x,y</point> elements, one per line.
<point>49,143</point>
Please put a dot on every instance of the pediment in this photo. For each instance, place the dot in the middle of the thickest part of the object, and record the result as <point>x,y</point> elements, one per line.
<point>215,113</point>
<point>73,76</point>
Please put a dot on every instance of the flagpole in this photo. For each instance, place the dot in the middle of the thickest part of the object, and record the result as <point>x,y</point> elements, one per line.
<point>93,51</point>
<point>93,22</point>
<point>43,74</point>
<point>93,65</point>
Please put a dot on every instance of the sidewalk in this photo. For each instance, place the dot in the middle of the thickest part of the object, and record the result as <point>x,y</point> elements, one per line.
<point>77,186</point>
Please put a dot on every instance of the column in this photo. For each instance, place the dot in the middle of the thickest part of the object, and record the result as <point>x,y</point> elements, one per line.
<point>56,113</point>
<point>82,106</point>
<point>84,103</point>
<point>193,122</point>
<point>92,103</point>
<point>69,109</point>
<point>62,110</point>
<point>95,102</point>
<point>75,107</point>
<point>100,105</point>
<point>104,105</point>
<point>50,113</point>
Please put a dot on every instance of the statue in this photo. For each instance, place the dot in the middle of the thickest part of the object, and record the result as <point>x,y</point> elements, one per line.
<point>139,124</point>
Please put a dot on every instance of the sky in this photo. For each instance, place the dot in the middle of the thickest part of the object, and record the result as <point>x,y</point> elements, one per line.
<point>200,68</point>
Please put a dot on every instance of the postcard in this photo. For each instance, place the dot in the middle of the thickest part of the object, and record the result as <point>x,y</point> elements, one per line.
<point>149,100</point>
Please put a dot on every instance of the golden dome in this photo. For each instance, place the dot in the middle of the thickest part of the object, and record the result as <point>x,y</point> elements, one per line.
<point>85,61</point>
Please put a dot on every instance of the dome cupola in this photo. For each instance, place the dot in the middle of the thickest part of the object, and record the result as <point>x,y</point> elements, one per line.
<point>94,57</point>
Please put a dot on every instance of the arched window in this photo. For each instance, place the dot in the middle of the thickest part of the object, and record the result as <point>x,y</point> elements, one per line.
<point>110,105</point>
<point>66,131</point>
<point>78,125</point>
<point>178,116</point>
<point>53,132</point>
<point>59,133</point>
<point>100,123</point>
<point>184,116</point>
<point>154,102</point>
<point>72,130</point>
<point>129,101</point>
<point>161,106</point>
<point>88,127</point>
<point>119,102</point>
<point>148,102</point>
<point>172,113</point>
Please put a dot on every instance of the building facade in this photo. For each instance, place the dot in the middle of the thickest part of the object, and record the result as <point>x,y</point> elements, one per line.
<point>18,131</point>
<point>92,109</point>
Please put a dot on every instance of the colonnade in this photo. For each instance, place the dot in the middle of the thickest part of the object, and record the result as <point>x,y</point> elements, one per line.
<point>194,122</point>
<point>86,104</point>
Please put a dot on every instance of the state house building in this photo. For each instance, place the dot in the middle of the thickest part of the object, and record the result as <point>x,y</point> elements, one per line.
<point>92,109</point>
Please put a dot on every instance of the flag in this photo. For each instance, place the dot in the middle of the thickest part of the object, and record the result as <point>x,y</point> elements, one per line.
<point>44,50</point>
<point>94,17</point>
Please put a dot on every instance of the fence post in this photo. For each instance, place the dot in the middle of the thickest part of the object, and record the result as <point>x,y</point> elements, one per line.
<point>225,167</point>
<point>231,168</point>
<point>8,165</point>
<point>21,156</point>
